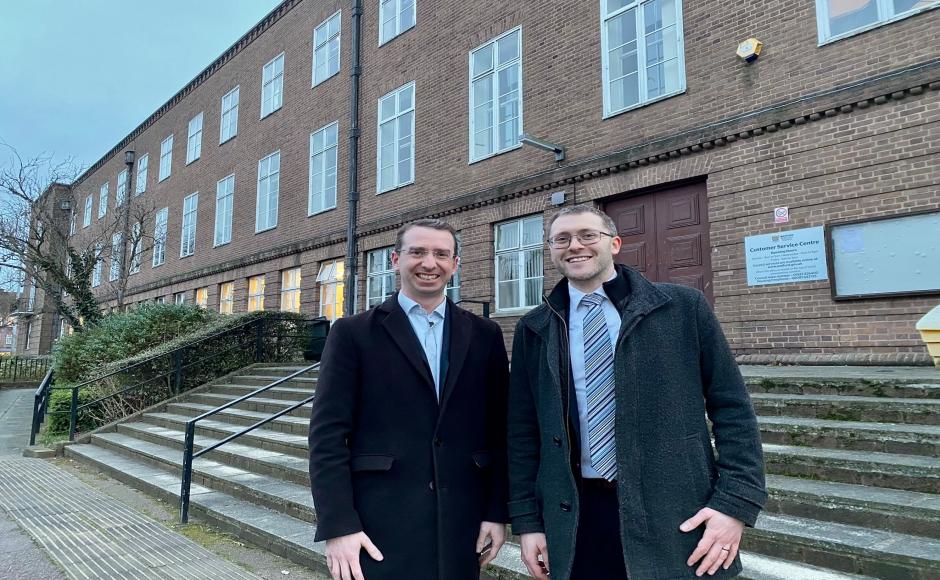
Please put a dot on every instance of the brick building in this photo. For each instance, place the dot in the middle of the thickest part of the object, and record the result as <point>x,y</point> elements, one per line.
<point>690,148</point>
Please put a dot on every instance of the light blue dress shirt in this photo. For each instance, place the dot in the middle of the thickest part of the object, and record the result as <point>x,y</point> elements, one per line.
<point>576,313</point>
<point>429,328</point>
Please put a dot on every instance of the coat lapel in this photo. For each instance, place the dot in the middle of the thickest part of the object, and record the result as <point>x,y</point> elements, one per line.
<point>460,330</point>
<point>403,335</point>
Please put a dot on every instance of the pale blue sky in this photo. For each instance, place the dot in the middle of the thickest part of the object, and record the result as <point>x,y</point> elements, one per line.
<point>76,76</point>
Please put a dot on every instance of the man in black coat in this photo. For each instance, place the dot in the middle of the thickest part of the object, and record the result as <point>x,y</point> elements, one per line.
<point>612,471</point>
<point>407,433</point>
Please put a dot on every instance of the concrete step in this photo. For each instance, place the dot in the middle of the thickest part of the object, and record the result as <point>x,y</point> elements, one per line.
<point>284,423</point>
<point>894,510</point>
<point>278,369</point>
<point>849,408</point>
<point>261,379</point>
<point>286,393</point>
<point>213,428</point>
<point>851,549</point>
<point>243,457</point>
<point>259,404</point>
<point>292,537</point>
<point>855,435</point>
<point>906,472</point>
<point>847,387</point>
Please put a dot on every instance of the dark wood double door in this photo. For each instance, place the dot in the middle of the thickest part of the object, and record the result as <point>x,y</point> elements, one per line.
<point>665,235</point>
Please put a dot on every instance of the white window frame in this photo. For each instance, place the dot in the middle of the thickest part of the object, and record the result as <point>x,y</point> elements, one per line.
<point>397,26</point>
<point>331,278</point>
<point>224,205</point>
<point>397,182</point>
<point>142,165</point>
<point>179,298</point>
<point>380,276</point>
<point>194,139</point>
<point>159,237</point>
<point>227,297</point>
<point>270,195</point>
<point>493,72</point>
<point>201,298</point>
<point>256,297</point>
<point>120,194</point>
<point>452,290</point>
<point>137,248</point>
<point>166,158</point>
<point>96,270</point>
<point>319,187</point>
<point>271,78</point>
<point>188,228</point>
<point>290,290</point>
<point>103,200</point>
<point>228,123</point>
<point>89,205</point>
<point>885,16</point>
<point>327,42</point>
<point>641,57</point>
<point>521,249</point>
<point>117,244</point>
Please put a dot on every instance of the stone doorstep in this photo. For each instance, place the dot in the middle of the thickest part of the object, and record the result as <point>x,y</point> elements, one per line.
<point>284,423</point>
<point>293,538</point>
<point>270,440</point>
<point>852,435</point>
<point>849,408</point>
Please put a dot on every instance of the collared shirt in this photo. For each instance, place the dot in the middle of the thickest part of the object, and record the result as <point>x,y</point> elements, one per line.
<point>576,313</point>
<point>429,328</point>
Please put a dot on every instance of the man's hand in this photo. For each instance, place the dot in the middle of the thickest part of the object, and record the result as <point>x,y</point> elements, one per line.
<point>535,554</point>
<point>719,544</point>
<point>492,537</point>
<point>342,555</point>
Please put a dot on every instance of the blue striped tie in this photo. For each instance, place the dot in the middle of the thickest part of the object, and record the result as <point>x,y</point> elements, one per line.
<point>599,386</point>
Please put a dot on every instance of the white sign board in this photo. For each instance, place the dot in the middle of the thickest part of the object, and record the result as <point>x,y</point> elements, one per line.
<point>793,256</point>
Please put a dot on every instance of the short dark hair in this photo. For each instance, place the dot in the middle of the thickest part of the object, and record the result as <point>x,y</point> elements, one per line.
<point>581,209</point>
<point>434,224</point>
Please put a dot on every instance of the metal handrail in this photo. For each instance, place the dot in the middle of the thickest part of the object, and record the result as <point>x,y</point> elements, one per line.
<point>40,402</point>
<point>189,455</point>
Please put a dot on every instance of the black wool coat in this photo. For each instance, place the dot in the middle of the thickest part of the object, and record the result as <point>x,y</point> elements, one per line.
<point>386,458</point>
<point>672,367</point>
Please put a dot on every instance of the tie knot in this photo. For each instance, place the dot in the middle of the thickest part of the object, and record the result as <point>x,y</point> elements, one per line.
<point>592,300</point>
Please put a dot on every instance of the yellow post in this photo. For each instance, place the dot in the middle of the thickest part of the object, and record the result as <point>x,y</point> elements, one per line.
<point>929,327</point>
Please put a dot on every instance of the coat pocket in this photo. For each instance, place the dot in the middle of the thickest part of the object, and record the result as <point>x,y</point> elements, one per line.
<point>372,462</point>
<point>481,459</point>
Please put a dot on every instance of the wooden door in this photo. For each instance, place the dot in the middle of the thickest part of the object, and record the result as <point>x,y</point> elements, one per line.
<point>665,236</point>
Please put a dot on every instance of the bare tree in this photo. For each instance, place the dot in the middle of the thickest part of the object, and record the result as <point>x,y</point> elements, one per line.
<point>40,246</point>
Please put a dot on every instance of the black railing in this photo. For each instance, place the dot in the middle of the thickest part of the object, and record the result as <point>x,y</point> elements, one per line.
<point>19,368</point>
<point>40,403</point>
<point>149,381</point>
<point>189,455</point>
<point>485,303</point>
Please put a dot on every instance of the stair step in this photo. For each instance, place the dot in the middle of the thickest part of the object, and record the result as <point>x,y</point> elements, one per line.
<point>906,512</point>
<point>279,369</point>
<point>292,538</point>
<point>852,549</point>
<point>907,472</point>
<point>261,437</point>
<point>284,423</point>
<point>242,457</point>
<point>849,408</point>
<point>285,393</point>
<point>923,386</point>
<point>856,435</point>
<point>258,404</point>
<point>262,380</point>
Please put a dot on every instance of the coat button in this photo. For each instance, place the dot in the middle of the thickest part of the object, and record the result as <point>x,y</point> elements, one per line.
<point>438,442</point>
<point>556,440</point>
<point>565,506</point>
<point>431,486</point>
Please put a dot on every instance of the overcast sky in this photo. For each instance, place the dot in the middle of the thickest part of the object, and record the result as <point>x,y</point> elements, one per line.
<point>76,76</point>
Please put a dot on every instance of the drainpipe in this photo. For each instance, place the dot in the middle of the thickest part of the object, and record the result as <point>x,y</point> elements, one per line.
<point>349,303</point>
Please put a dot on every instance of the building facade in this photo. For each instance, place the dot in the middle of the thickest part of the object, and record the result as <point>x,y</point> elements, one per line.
<point>694,151</point>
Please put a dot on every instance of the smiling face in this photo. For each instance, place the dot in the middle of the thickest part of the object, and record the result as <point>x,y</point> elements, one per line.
<point>426,263</point>
<point>586,267</point>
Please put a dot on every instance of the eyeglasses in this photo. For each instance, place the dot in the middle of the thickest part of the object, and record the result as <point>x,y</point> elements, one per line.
<point>586,237</point>
<point>422,253</point>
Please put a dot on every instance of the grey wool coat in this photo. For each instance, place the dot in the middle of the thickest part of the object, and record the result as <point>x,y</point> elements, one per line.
<point>672,366</point>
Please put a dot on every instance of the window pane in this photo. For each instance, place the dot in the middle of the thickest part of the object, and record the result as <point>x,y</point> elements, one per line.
<point>847,15</point>
<point>532,234</point>
<point>406,99</point>
<point>533,292</point>
<point>387,108</point>
<point>901,6</point>
<point>508,47</point>
<point>507,267</point>
<point>533,264</point>
<point>406,15</point>
<point>507,236</point>
<point>482,60</point>
<point>508,295</point>
<point>614,5</point>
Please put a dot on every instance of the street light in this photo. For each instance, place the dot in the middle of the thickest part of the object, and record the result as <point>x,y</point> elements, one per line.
<point>129,157</point>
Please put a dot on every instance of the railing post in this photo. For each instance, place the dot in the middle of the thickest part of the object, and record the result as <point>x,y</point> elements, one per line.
<point>259,340</point>
<point>187,471</point>
<point>73,414</point>
<point>177,371</point>
<point>486,310</point>
<point>16,366</point>
<point>37,403</point>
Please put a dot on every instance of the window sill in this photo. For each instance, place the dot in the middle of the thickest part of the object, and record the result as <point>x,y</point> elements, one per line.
<point>321,81</point>
<point>875,25</point>
<point>644,104</point>
<point>511,312</point>
<point>319,212</point>
<point>399,35</point>
<point>188,163</point>
<point>227,140</point>
<point>222,244</point>
<point>269,113</point>
<point>267,229</point>
<point>494,154</point>
<point>406,184</point>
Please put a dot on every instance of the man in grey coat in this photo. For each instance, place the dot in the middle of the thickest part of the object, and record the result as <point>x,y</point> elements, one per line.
<point>612,472</point>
